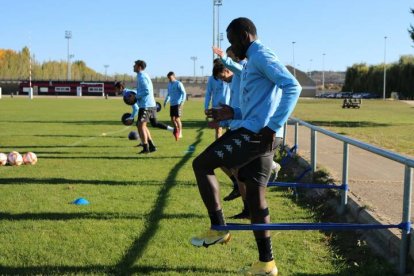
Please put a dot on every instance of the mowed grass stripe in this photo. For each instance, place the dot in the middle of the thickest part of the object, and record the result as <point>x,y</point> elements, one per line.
<point>144,209</point>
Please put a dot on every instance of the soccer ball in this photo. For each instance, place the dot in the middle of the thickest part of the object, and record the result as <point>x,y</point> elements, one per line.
<point>133,135</point>
<point>30,158</point>
<point>125,121</point>
<point>14,158</point>
<point>3,159</point>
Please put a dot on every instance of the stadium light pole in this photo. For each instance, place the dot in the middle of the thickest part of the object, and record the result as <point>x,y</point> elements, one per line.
<point>202,70</point>
<point>70,67</point>
<point>194,60</point>
<point>293,52</point>
<point>218,4</point>
<point>68,36</point>
<point>221,39</point>
<point>106,69</point>
<point>323,71</point>
<point>310,68</point>
<point>385,68</point>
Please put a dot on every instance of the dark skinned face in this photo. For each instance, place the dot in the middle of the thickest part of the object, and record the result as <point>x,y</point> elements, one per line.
<point>240,42</point>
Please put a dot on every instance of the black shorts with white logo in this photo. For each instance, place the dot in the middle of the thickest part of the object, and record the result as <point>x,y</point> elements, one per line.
<point>175,110</point>
<point>146,114</point>
<point>244,150</point>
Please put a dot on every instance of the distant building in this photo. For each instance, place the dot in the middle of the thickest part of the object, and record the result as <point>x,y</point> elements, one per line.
<point>308,85</point>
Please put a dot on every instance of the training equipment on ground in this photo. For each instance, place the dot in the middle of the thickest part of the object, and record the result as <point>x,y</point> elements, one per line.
<point>124,120</point>
<point>80,201</point>
<point>29,158</point>
<point>14,158</point>
<point>3,159</point>
<point>158,106</point>
<point>130,98</point>
<point>133,135</point>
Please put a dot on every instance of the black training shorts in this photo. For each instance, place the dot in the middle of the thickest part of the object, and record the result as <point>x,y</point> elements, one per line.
<point>146,114</point>
<point>175,110</point>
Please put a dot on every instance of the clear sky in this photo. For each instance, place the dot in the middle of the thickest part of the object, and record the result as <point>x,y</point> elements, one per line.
<point>167,33</point>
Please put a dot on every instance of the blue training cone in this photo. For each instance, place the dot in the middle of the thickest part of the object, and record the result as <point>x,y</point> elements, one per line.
<point>81,201</point>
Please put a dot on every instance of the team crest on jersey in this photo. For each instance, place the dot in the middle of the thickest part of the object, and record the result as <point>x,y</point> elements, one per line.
<point>237,142</point>
<point>229,148</point>
<point>220,154</point>
<point>246,137</point>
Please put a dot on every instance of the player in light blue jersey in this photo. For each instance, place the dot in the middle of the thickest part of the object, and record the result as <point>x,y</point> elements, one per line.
<point>269,93</point>
<point>217,92</point>
<point>176,96</point>
<point>147,108</point>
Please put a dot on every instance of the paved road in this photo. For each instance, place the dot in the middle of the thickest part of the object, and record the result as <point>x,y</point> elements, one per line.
<point>376,181</point>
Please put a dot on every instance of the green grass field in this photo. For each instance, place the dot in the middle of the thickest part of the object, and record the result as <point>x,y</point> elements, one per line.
<point>143,209</point>
<point>387,124</point>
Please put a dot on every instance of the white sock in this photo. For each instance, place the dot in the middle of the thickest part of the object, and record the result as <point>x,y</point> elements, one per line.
<point>170,128</point>
<point>181,133</point>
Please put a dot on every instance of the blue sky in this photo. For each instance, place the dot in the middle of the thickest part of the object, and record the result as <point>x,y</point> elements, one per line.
<point>167,33</point>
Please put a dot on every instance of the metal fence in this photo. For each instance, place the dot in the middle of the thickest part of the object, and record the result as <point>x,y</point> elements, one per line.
<point>408,181</point>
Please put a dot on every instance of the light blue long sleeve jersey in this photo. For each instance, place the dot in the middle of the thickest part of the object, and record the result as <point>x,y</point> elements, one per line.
<point>135,107</point>
<point>218,92</point>
<point>236,68</point>
<point>145,91</point>
<point>269,92</point>
<point>176,93</point>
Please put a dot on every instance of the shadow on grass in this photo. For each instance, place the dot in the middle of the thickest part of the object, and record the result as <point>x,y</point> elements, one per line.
<point>88,215</point>
<point>66,181</point>
<point>347,124</point>
<point>99,269</point>
<point>138,247</point>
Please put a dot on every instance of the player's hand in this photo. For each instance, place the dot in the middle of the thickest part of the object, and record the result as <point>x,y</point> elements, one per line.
<point>222,113</point>
<point>218,51</point>
<point>267,138</point>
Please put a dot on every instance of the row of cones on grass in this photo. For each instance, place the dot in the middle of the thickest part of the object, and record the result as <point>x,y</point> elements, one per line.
<point>14,158</point>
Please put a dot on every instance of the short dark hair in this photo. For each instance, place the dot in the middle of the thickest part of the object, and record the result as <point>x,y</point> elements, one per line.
<point>229,49</point>
<point>141,63</point>
<point>170,74</point>
<point>217,69</point>
<point>242,24</point>
<point>119,84</point>
<point>216,60</point>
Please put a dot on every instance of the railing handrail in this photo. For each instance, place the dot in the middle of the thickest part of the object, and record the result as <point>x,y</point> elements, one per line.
<point>385,153</point>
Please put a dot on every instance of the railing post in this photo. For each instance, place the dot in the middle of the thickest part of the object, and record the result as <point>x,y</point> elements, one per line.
<point>296,136</point>
<point>284,135</point>
<point>313,150</point>
<point>345,167</point>
<point>405,237</point>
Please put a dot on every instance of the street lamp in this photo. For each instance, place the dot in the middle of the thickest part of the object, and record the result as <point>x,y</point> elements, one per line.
<point>293,51</point>
<point>323,71</point>
<point>68,35</point>
<point>202,70</point>
<point>106,68</point>
<point>194,60</point>
<point>385,68</point>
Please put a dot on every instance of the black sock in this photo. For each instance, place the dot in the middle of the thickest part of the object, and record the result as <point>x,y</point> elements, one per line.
<point>217,218</point>
<point>151,144</point>
<point>145,146</point>
<point>235,185</point>
<point>265,249</point>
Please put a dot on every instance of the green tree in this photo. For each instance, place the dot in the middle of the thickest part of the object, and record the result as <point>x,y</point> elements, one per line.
<point>411,29</point>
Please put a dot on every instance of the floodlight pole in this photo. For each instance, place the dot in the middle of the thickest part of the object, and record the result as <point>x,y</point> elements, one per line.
<point>106,69</point>
<point>293,52</point>
<point>323,72</point>
<point>202,70</point>
<point>68,36</point>
<point>194,58</point>
<point>385,68</point>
